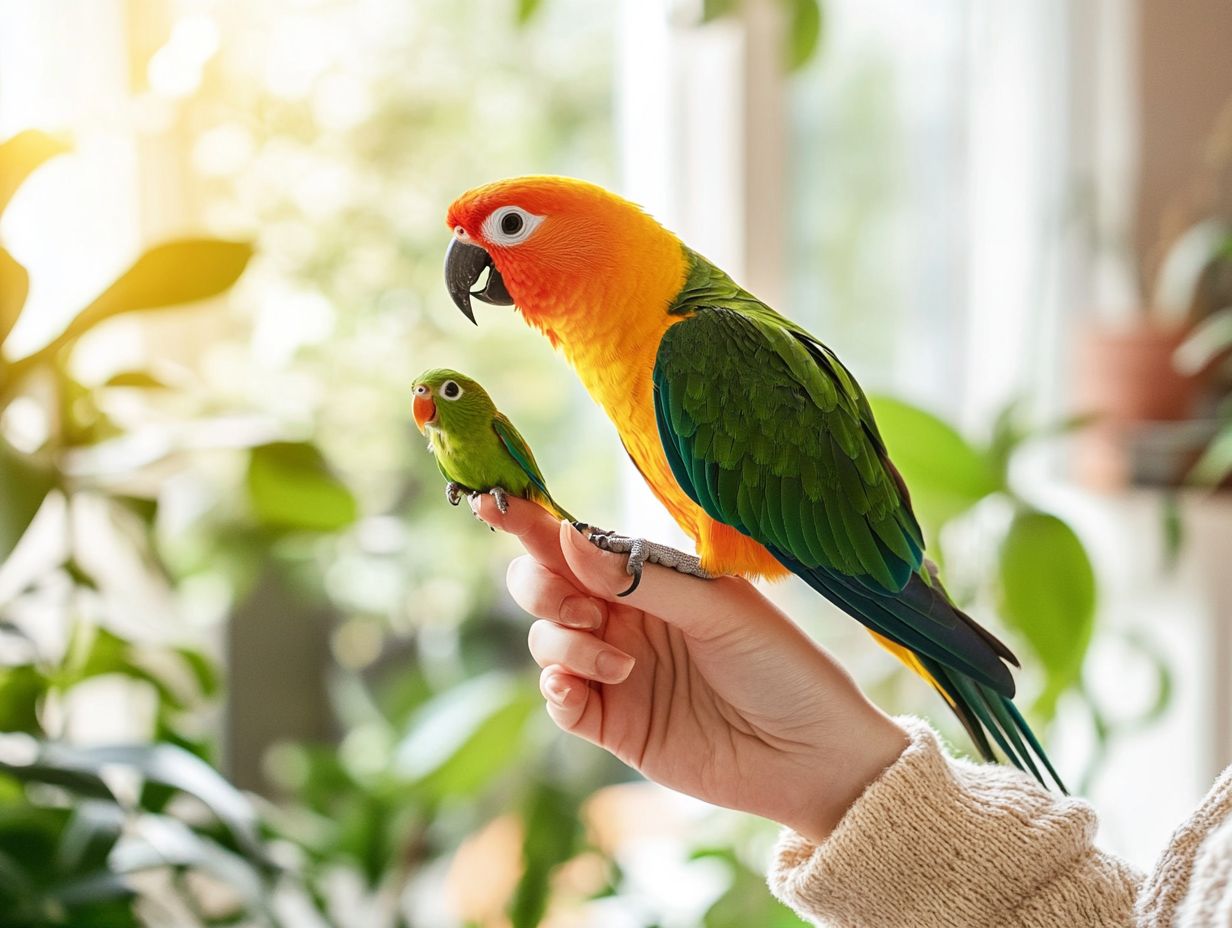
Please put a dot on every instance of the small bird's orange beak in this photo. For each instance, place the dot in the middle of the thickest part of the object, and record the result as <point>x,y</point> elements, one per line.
<point>425,411</point>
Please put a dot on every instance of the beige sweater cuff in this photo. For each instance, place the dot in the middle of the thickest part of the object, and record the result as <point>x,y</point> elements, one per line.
<point>938,841</point>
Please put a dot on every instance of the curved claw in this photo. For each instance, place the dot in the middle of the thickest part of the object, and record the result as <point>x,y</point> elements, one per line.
<point>453,493</point>
<point>637,580</point>
<point>501,497</point>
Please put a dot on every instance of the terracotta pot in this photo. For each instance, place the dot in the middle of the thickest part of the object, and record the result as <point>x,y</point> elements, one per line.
<point>1124,375</point>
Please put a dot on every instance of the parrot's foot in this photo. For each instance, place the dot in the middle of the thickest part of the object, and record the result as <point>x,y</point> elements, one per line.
<point>453,492</point>
<point>501,498</point>
<point>642,552</point>
<point>499,494</point>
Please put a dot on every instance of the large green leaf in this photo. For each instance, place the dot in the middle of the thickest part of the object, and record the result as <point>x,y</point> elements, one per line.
<point>174,767</point>
<point>80,782</point>
<point>171,274</point>
<point>291,486</point>
<point>24,484</point>
<point>20,155</point>
<point>97,652</point>
<point>1048,594</point>
<point>14,286</point>
<point>944,472</point>
<point>470,734</point>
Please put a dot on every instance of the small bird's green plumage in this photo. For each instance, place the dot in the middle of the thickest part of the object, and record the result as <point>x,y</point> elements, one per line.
<point>475,445</point>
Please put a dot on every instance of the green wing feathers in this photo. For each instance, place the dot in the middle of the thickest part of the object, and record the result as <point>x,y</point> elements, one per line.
<point>520,451</point>
<point>767,431</point>
<point>797,461</point>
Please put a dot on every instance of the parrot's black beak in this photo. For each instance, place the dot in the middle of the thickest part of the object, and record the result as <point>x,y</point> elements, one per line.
<point>464,265</point>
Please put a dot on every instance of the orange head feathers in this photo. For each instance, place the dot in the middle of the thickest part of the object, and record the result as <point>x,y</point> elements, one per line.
<point>560,249</point>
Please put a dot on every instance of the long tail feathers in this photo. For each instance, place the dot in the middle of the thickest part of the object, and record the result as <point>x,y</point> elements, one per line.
<point>984,712</point>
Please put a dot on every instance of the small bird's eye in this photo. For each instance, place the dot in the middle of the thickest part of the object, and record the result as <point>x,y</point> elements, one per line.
<point>421,390</point>
<point>451,391</point>
<point>511,223</point>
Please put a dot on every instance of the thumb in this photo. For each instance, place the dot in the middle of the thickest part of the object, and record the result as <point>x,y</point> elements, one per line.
<point>700,608</point>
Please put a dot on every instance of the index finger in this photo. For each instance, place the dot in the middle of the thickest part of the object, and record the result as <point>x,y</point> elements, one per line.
<point>533,526</point>
<point>700,608</point>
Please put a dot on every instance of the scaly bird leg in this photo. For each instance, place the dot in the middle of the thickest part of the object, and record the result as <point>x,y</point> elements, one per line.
<point>453,492</point>
<point>642,552</point>
<point>501,497</point>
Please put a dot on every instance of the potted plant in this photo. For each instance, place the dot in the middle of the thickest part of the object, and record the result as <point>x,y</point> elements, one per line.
<point>1157,414</point>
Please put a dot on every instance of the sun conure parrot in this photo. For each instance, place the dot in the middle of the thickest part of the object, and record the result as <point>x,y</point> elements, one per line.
<point>749,430</point>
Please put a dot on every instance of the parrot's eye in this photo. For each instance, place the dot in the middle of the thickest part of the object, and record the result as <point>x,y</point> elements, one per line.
<point>421,390</point>
<point>510,225</point>
<point>450,390</point>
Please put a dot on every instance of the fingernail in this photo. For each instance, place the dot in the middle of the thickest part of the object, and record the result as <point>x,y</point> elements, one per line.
<point>558,690</point>
<point>580,612</point>
<point>612,665</point>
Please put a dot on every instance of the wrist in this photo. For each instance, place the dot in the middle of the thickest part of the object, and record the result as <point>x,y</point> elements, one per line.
<point>868,746</point>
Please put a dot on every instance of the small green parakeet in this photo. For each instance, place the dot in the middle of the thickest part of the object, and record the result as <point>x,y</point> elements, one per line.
<point>476,447</point>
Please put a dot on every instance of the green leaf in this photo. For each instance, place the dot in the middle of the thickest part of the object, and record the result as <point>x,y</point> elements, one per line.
<point>803,32</point>
<point>291,487</point>
<point>24,484</point>
<point>526,9</point>
<point>1048,594</point>
<point>21,688</point>
<point>92,831</point>
<point>716,9</point>
<point>20,155</point>
<point>170,274</point>
<point>173,843</point>
<point>1172,527</point>
<point>1211,338</point>
<point>80,782</point>
<point>745,902</point>
<point>1215,465</point>
<point>470,734</point>
<point>14,286</point>
<point>203,670</point>
<point>98,652</point>
<point>140,379</point>
<point>552,835</point>
<point>174,767</point>
<point>944,472</point>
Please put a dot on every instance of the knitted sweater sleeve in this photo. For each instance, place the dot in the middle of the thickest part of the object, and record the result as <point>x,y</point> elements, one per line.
<point>941,842</point>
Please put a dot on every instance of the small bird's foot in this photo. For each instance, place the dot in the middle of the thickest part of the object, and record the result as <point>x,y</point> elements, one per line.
<point>453,493</point>
<point>502,499</point>
<point>642,552</point>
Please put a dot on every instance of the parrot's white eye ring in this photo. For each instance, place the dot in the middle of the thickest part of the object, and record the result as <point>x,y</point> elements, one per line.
<point>450,390</point>
<point>510,225</point>
<point>421,390</point>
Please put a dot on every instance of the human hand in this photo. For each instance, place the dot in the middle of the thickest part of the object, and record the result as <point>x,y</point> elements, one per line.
<point>702,685</point>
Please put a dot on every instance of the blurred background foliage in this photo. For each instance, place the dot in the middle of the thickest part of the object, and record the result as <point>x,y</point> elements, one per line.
<point>181,521</point>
